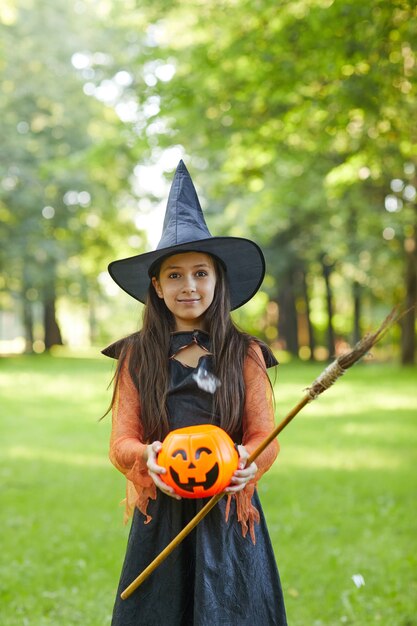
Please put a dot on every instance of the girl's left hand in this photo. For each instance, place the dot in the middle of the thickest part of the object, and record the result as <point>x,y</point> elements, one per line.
<point>243,474</point>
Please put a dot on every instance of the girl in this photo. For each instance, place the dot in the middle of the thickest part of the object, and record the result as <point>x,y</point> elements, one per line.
<point>224,572</point>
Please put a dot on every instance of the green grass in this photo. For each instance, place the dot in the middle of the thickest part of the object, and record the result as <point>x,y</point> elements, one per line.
<point>339,501</point>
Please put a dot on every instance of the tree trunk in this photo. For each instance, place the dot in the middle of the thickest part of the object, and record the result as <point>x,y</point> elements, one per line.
<point>408,329</point>
<point>27,307</point>
<point>327,270</point>
<point>287,317</point>
<point>52,332</point>
<point>356,312</point>
<point>311,339</point>
<point>28,324</point>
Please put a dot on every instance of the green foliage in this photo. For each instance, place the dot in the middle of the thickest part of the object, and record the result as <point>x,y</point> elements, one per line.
<point>338,501</point>
<point>298,121</point>
<point>300,116</point>
<point>65,162</point>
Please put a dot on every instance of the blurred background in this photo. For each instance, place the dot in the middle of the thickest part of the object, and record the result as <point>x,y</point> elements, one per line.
<point>297,121</point>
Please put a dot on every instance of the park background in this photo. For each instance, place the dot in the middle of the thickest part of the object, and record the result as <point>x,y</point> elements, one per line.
<point>298,123</point>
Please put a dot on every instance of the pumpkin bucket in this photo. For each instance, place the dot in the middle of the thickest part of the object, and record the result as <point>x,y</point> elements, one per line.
<point>199,460</point>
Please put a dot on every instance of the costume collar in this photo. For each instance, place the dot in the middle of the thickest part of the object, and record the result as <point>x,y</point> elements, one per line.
<point>183,338</point>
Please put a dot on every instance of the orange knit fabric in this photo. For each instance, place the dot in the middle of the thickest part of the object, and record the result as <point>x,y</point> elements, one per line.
<point>126,447</point>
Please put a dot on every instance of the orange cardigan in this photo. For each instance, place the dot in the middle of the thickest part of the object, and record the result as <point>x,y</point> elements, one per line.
<point>127,447</point>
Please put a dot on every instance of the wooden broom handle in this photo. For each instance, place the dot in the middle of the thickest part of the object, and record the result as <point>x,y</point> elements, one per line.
<point>210,504</point>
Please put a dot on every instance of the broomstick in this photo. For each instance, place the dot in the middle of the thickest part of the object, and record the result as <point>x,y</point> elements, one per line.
<point>325,380</point>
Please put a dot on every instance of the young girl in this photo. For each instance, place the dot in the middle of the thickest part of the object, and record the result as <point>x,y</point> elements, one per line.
<point>224,572</point>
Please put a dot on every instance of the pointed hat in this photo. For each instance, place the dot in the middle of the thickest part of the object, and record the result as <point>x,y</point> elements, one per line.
<point>185,230</point>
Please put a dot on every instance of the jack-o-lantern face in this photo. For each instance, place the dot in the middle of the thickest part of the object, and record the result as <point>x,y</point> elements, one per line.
<point>200,460</point>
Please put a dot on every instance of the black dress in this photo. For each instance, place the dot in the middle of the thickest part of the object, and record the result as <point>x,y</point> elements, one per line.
<point>215,576</point>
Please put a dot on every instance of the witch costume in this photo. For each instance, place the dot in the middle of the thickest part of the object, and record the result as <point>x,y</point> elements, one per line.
<point>224,572</point>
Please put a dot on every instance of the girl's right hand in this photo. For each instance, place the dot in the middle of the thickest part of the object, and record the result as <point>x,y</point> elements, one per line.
<point>154,470</point>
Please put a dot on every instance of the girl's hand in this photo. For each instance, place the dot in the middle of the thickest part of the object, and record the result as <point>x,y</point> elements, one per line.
<point>155,470</point>
<point>243,474</point>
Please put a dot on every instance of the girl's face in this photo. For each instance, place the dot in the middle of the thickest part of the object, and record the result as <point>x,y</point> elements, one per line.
<point>186,283</point>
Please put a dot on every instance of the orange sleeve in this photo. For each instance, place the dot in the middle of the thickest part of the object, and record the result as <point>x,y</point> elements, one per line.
<point>258,411</point>
<point>126,445</point>
<point>258,422</point>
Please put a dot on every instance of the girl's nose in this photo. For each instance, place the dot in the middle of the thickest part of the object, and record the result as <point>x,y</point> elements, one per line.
<point>189,284</point>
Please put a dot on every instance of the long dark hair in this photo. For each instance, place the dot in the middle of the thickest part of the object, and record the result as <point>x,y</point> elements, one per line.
<point>147,354</point>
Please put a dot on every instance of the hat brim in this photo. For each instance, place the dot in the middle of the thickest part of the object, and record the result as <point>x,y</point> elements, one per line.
<point>243,259</point>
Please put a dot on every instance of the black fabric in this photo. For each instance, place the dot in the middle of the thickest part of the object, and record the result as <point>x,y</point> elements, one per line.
<point>215,576</point>
<point>114,349</point>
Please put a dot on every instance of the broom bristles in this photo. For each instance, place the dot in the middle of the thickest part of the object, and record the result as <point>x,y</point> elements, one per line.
<point>339,366</point>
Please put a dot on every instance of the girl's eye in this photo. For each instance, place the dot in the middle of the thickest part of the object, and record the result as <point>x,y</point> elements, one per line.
<point>173,275</point>
<point>201,273</point>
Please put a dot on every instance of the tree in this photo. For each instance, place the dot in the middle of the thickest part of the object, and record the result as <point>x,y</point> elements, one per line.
<point>299,118</point>
<point>65,163</point>
<point>299,115</point>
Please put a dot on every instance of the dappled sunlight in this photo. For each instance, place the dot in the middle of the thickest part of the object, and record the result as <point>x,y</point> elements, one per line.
<point>60,385</point>
<point>335,460</point>
<point>347,399</point>
<point>374,431</point>
<point>56,456</point>
<point>342,468</point>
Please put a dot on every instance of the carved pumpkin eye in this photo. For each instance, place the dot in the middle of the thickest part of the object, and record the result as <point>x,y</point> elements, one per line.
<point>199,460</point>
<point>181,453</point>
<point>199,452</point>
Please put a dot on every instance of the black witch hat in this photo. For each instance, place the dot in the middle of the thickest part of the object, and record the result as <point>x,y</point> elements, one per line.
<point>185,230</point>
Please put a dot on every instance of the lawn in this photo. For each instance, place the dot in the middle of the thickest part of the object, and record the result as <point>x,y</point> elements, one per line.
<point>340,501</point>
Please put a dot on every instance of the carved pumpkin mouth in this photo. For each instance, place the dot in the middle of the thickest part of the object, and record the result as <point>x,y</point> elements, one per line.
<point>192,484</point>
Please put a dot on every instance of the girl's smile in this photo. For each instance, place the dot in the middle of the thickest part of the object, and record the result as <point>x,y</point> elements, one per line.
<point>186,283</point>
